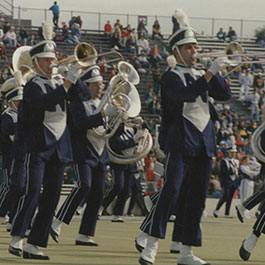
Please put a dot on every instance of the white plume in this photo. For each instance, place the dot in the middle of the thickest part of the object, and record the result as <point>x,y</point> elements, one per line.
<point>182,18</point>
<point>19,78</point>
<point>171,61</point>
<point>47,30</point>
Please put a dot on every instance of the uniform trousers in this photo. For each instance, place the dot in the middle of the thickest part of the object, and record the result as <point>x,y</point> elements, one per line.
<point>48,173</point>
<point>135,190</point>
<point>4,185</point>
<point>229,188</point>
<point>122,181</point>
<point>255,199</point>
<point>246,189</point>
<point>196,173</point>
<point>90,187</point>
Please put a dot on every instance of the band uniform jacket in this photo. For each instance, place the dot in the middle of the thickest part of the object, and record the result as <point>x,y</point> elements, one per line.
<point>8,129</point>
<point>44,118</point>
<point>82,119</point>
<point>187,125</point>
<point>121,143</point>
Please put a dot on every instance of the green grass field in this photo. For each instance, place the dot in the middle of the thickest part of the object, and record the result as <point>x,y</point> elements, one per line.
<point>221,241</point>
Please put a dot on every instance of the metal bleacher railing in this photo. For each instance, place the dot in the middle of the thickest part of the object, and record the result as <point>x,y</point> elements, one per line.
<point>96,20</point>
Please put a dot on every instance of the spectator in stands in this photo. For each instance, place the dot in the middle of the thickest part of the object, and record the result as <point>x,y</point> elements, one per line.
<point>261,40</point>
<point>2,35</point>
<point>246,80</point>
<point>118,25</point>
<point>254,99</point>
<point>144,68</point>
<point>164,53</point>
<point>221,135</point>
<point>129,28</point>
<point>257,65</point>
<point>116,38</point>
<point>75,33</point>
<point>108,29</point>
<point>3,54</point>
<point>124,36</point>
<point>231,34</point>
<point>157,75</point>
<point>215,190</point>
<point>130,44</point>
<point>143,45</point>
<point>221,35</point>
<point>155,57</point>
<point>11,37</point>
<point>32,41</point>
<point>23,36</point>
<point>259,83</point>
<point>149,164</point>
<point>141,28</point>
<point>154,106</point>
<point>71,22</point>
<point>65,33</point>
<point>6,27</point>
<point>156,30</point>
<point>79,21</point>
<point>134,36</point>
<point>149,96</point>
<point>55,11</point>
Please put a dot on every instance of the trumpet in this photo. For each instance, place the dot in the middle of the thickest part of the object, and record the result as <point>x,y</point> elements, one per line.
<point>86,55</point>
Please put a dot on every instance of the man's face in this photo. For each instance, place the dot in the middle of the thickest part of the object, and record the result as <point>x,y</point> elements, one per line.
<point>45,65</point>
<point>187,51</point>
<point>96,89</point>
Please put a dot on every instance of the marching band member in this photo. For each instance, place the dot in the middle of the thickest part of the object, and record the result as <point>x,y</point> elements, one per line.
<point>229,180</point>
<point>124,139</point>
<point>258,228</point>
<point>187,137</point>
<point>90,160</point>
<point>48,148</point>
<point>12,91</point>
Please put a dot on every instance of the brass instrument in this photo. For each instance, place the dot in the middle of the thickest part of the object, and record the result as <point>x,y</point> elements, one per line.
<point>86,55</point>
<point>256,140</point>
<point>122,92</point>
<point>136,153</point>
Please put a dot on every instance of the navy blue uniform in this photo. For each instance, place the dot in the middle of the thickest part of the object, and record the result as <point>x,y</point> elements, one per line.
<point>17,176</point>
<point>90,161</point>
<point>187,137</point>
<point>229,181</point>
<point>48,148</point>
<point>123,173</point>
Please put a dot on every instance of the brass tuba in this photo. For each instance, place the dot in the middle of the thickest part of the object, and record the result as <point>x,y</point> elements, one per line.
<point>256,143</point>
<point>136,153</point>
<point>122,92</point>
<point>22,61</point>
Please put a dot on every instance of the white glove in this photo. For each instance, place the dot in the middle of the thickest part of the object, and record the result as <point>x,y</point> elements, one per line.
<point>63,70</point>
<point>139,134</point>
<point>112,110</point>
<point>124,116</point>
<point>218,65</point>
<point>74,73</point>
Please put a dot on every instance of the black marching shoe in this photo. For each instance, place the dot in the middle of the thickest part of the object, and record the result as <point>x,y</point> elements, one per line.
<point>89,243</point>
<point>144,262</point>
<point>138,247</point>
<point>27,255</point>
<point>245,255</point>
<point>15,251</point>
<point>54,236</point>
<point>33,252</point>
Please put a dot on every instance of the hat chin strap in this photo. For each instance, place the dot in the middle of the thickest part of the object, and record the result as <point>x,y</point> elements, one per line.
<point>37,63</point>
<point>180,56</point>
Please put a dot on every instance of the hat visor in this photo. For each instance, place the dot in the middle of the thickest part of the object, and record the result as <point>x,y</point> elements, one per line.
<point>93,79</point>
<point>45,55</point>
